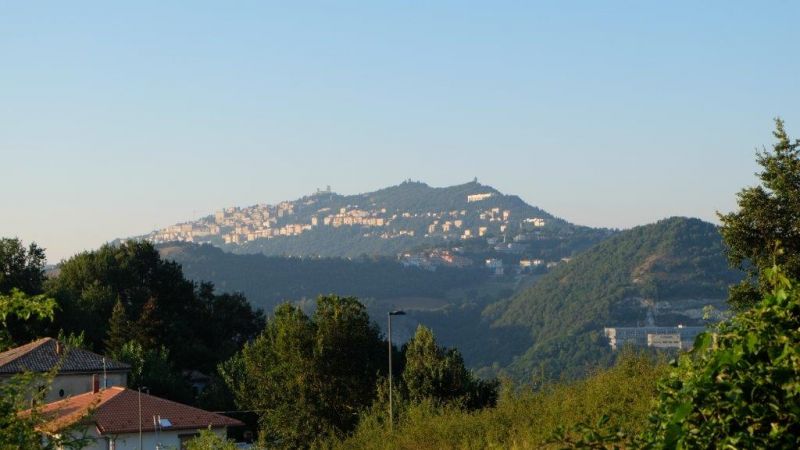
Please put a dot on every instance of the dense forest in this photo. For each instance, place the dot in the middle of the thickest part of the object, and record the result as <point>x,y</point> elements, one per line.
<point>619,282</point>
<point>267,281</point>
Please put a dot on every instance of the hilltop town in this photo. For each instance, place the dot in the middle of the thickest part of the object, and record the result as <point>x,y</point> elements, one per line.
<point>237,225</point>
<point>421,226</point>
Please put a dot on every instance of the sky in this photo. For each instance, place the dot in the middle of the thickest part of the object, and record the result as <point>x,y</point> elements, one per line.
<point>119,119</point>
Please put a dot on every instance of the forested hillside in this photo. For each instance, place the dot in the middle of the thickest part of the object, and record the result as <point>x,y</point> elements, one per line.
<point>266,281</point>
<point>663,273</point>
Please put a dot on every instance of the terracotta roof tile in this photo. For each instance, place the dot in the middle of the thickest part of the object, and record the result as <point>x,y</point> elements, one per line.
<point>116,410</point>
<point>43,355</point>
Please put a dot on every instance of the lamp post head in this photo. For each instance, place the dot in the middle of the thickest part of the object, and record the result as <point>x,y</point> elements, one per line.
<point>397,313</point>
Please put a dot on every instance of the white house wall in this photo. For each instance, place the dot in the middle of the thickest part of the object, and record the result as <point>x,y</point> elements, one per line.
<point>80,384</point>
<point>168,439</point>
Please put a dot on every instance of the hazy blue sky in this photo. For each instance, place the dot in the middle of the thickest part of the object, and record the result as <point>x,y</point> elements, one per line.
<point>115,120</point>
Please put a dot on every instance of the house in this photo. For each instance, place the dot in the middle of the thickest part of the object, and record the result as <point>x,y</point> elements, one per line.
<point>495,265</point>
<point>79,370</point>
<point>112,419</point>
<point>659,337</point>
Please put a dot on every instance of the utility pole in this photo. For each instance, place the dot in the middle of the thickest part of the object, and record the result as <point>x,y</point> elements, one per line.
<point>141,446</point>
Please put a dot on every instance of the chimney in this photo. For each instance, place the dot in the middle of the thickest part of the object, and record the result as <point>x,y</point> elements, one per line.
<point>95,383</point>
<point>58,348</point>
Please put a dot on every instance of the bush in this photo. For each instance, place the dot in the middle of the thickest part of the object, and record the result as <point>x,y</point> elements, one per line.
<point>524,418</point>
<point>740,386</point>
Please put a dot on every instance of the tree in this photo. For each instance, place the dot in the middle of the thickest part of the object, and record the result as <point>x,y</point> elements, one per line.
<point>153,368</point>
<point>164,305</point>
<point>740,386</point>
<point>21,268</point>
<point>275,375</point>
<point>148,327</point>
<point>21,278</point>
<point>439,374</point>
<point>309,376</point>
<point>119,329</point>
<point>767,214</point>
<point>350,353</point>
<point>231,320</point>
<point>22,396</point>
<point>89,284</point>
<point>20,307</point>
<point>208,440</point>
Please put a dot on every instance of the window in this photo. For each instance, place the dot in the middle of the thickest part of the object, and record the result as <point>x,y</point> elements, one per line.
<point>61,393</point>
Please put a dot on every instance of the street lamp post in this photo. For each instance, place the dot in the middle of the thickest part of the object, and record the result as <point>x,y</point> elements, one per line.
<point>141,447</point>
<point>391,410</point>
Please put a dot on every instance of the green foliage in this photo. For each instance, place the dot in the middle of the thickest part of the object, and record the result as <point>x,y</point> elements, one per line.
<point>740,386</point>
<point>71,340</point>
<point>90,284</point>
<point>119,330</point>
<point>23,307</point>
<point>22,396</point>
<point>567,309</point>
<point>585,437</point>
<point>119,293</point>
<point>267,281</point>
<point>308,376</point>
<point>21,399</point>
<point>153,368</point>
<point>208,440</point>
<point>21,268</point>
<point>524,418</point>
<point>439,374</point>
<point>767,213</point>
<point>21,278</point>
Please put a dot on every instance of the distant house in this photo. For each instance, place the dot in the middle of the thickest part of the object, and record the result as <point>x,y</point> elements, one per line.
<point>79,370</point>
<point>112,419</point>
<point>681,337</point>
<point>478,197</point>
<point>495,265</point>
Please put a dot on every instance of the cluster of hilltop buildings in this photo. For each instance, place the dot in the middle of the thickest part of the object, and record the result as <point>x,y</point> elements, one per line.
<point>89,397</point>
<point>431,259</point>
<point>240,225</point>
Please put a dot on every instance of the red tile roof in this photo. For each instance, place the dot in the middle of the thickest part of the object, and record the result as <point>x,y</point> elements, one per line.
<point>45,354</point>
<point>116,410</point>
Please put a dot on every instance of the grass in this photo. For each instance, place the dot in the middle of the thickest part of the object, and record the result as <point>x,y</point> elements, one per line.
<point>525,418</point>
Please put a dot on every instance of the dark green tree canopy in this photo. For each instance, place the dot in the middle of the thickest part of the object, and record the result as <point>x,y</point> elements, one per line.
<point>309,376</point>
<point>162,306</point>
<point>439,374</point>
<point>25,313</point>
<point>119,330</point>
<point>21,268</point>
<point>768,213</point>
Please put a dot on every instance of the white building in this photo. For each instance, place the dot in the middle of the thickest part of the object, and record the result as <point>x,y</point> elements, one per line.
<point>478,197</point>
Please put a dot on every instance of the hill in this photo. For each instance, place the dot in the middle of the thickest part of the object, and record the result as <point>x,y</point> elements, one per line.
<point>269,280</point>
<point>661,274</point>
<point>407,217</point>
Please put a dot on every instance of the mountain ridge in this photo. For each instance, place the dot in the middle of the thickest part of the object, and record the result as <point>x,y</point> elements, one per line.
<point>664,272</point>
<point>401,218</point>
